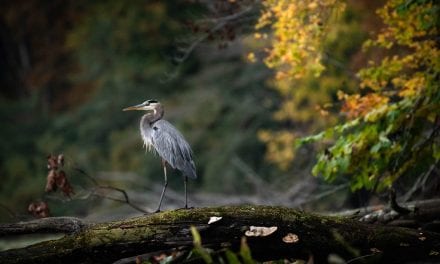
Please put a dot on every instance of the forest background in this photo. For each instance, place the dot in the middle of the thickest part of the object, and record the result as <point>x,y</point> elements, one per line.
<point>244,81</point>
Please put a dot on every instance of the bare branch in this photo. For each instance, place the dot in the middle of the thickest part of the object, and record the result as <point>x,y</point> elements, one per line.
<point>420,182</point>
<point>326,193</point>
<point>11,213</point>
<point>219,24</point>
<point>227,18</point>
<point>97,186</point>
<point>261,187</point>
<point>126,199</point>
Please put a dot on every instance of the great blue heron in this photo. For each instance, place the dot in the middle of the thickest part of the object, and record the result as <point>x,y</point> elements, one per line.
<point>167,141</point>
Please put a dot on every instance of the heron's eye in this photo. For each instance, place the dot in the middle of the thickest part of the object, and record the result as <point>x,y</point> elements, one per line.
<point>155,128</point>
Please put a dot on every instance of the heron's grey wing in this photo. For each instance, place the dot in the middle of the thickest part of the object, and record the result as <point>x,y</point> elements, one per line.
<point>173,148</point>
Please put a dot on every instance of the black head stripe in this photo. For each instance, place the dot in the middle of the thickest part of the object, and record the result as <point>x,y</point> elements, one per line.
<point>152,101</point>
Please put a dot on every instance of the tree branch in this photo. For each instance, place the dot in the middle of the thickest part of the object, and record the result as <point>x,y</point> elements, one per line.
<point>44,225</point>
<point>98,186</point>
<point>314,235</point>
<point>126,199</point>
<point>219,23</point>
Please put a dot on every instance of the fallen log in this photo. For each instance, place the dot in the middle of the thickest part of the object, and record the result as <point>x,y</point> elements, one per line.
<point>49,225</point>
<point>272,233</point>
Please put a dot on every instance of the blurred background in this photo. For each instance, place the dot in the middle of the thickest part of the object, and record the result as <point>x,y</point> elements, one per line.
<point>68,68</point>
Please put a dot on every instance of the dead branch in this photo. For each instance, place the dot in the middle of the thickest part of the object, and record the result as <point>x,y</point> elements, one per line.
<point>44,225</point>
<point>272,233</point>
<point>97,186</point>
<point>422,214</point>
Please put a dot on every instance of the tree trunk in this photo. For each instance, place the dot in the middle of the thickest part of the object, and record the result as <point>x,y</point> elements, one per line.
<point>297,235</point>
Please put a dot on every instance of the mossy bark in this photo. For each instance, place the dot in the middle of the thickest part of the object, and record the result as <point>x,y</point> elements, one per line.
<point>318,236</point>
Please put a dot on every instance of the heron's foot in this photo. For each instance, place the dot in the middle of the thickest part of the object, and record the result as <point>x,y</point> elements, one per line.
<point>157,211</point>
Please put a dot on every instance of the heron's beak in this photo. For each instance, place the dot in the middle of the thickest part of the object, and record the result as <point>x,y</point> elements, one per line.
<point>139,107</point>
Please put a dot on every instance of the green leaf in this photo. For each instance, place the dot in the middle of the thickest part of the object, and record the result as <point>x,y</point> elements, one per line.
<point>436,152</point>
<point>376,148</point>
<point>245,252</point>
<point>343,163</point>
<point>232,257</point>
<point>306,140</point>
<point>197,240</point>
<point>198,249</point>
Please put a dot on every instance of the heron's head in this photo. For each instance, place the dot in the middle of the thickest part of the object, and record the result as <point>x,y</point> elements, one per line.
<point>145,106</point>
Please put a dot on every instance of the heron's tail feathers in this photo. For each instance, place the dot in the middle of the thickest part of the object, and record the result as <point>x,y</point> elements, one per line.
<point>190,170</point>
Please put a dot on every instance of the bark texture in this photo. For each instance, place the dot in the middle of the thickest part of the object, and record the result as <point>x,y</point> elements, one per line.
<point>317,236</point>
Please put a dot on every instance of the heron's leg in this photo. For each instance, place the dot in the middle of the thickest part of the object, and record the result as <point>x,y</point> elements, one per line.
<point>185,182</point>
<point>165,184</point>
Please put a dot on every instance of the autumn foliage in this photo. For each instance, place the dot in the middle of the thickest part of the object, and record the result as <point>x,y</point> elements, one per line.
<point>39,209</point>
<point>389,125</point>
<point>56,180</point>
<point>56,177</point>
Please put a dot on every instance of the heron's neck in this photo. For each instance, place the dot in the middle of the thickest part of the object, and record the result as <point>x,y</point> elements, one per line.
<point>152,117</point>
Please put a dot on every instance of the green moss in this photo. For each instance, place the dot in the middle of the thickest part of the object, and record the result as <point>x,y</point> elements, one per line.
<point>148,232</point>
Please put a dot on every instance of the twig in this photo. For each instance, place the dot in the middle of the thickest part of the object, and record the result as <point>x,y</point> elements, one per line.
<point>326,193</point>
<point>92,179</point>
<point>221,22</point>
<point>185,52</point>
<point>126,199</point>
<point>98,186</point>
<point>11,213</point>
<point>395,206</point>
<point>420,182</point>
<point>361,257</point>
<point>180,253</point>
<point>260,186</point>
<point>225,18</point>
